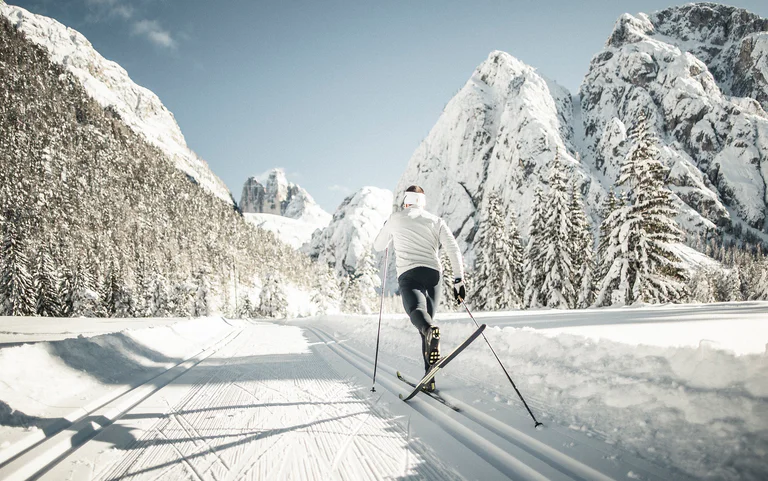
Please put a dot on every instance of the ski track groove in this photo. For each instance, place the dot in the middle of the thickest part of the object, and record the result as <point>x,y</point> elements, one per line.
<point>248,415</point>
<point>544,453</point>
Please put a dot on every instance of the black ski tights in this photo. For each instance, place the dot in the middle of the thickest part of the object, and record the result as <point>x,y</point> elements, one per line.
<point>420,289</point>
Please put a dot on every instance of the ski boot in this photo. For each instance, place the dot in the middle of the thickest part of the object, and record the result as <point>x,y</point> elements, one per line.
<point>432,342</point>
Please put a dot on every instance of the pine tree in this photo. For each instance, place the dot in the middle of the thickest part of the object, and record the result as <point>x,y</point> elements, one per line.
<point>760,290</point>
<point>67,292</point>
<point>272,300</point>
<point>446,284</point>
<point>326,291</point>
<point>245,308</point>
<point>180,299</point>
<point>17,296</point>
<point>498,261</point>
<point>159,306</point>
<point>701,285</point>
<point>47,286</point>
<point>582,245</point>
<point>200,303</point>
<point>607,250</point>
<point>557,266</point>
<point>360,296</point>
<point>85,299</point>
<point>642,266</point>
<point>533,260</point>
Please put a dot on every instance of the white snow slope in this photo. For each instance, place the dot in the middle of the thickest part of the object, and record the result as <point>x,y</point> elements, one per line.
<point>296,233</point>
<point>653,393</point>
<point>109,85</point>
<point>352,230</point>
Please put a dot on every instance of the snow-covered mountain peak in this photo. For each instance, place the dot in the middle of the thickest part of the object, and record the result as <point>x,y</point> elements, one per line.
<point>498,134</point>
<point>696,70</point>
<point>273,194</point>
<point>349,237</point>
<point>109,85</point>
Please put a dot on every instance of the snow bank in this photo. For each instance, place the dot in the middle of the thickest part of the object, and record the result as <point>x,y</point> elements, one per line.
<point>703,409</point>
<point>43,382</point>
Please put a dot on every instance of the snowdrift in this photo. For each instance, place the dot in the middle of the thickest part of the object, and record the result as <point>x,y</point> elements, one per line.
<point>42,383</point>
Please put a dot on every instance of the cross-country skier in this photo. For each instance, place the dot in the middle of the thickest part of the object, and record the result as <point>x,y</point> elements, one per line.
<point>417,236</point>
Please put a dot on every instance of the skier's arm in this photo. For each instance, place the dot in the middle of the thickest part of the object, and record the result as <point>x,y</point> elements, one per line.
<point>452,248</point>
<point>385,236</point>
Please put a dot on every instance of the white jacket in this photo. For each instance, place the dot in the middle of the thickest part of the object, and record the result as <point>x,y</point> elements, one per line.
<point>417,236</point>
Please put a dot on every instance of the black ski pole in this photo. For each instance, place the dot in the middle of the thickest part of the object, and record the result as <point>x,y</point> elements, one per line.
<point>381,308</point>
<point>505,369</point>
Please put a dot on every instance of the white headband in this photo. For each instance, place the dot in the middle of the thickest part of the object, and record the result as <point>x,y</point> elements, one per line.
<point>415,198</point>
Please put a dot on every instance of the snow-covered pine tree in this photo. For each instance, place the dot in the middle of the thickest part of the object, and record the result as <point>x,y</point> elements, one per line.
<point>701,286</point>
<point>85,299</point>
<point>557,267</point>
<point>498,261</point>
<point>47,286</point>
<point>446,284</point>
<point>643,268</point>
<point>272,300</point>
<point>159,305</point>
<point>533,258</point>
<point>582,245</point>
<point>759,291</point>
<point>245,308</point>
<point>327,291</point>
<point>607,249</point>
<point>200,304</point>
<point>17,296</point>
<point>180,299</point>
<point>67,291</point>
<point>360,296</point>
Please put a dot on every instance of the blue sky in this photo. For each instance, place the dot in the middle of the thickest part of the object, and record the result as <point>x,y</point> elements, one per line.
<point>338,93</point>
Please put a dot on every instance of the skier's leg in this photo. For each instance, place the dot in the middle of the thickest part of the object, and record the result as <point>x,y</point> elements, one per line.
<point>414,302</point>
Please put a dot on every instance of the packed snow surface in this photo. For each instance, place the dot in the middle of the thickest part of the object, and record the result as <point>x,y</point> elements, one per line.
<point>656,393</point>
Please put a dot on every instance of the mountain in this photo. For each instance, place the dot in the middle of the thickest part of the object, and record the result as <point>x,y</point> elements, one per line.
<point>280,197</point>
<point>109,85</point>
<point>697,71</point>
<point>349,237</point>
<point>95,221</point>
<point>283,208</point>
<point>694,70</point>
<point>498,134</point>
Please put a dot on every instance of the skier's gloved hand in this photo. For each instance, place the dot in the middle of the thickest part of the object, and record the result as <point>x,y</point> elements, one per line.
<point>459,290</point>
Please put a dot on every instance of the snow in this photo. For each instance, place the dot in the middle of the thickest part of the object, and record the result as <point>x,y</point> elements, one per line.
<point>658,392</point>
<point>662,382</point>
<point>109,85</point>
<point>271,193</point>
<point>349,237</point>
<point>293,232</point>
<point>86,359</point>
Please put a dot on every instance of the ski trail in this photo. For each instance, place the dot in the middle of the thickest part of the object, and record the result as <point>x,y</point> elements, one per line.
<point>266,407</point>
<point>526,447</point>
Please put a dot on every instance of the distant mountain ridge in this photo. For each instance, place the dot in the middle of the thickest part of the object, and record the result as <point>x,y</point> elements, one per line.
<point>109,84</point>
<point>277,196</point>
<point>500,132</point>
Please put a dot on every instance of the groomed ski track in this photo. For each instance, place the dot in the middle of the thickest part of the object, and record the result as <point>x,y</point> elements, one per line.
<point>294,402</point>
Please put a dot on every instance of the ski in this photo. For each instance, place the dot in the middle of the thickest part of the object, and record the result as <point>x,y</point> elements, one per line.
<point>434,394</point>
<point>442,362</point>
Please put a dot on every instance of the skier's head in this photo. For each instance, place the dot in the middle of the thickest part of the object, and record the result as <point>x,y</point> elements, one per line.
<point>414,195</point>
